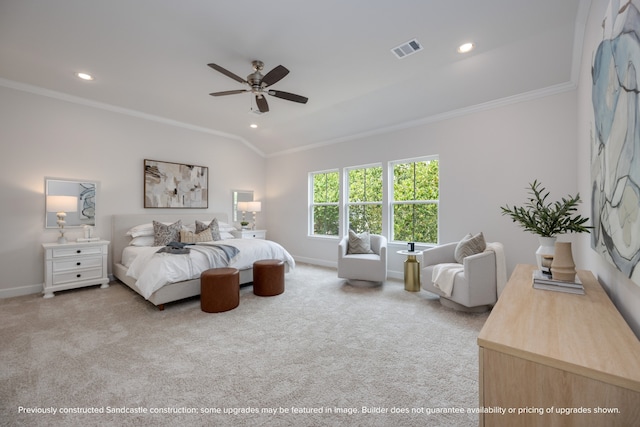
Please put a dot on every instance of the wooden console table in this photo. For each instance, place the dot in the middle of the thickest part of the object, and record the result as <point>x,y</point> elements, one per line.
<point>556,359</point>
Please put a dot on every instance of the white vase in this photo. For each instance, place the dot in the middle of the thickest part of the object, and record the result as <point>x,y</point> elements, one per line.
<point>547,247</point>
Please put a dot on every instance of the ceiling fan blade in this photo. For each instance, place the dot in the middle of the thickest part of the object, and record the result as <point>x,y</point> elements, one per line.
<point>229,92</point>
<point>288,96</point>
<point>274,75</point>
<point>227,73</point>
<point>261,101</point>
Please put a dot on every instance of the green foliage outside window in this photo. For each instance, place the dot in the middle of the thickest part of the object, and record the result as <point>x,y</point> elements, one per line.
<point>365,200</point>
<point>326,211</point>
<point>417,185</point>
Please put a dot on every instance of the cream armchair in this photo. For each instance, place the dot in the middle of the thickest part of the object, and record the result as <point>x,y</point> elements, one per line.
<point>370,267</point>
<point>474,281</point>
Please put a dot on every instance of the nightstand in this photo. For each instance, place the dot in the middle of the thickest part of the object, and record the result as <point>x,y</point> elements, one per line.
<point>249,234</point>
<point>74,265</point>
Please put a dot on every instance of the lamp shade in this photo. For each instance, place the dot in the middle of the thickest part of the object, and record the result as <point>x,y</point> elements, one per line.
<point>243,206</point>
<point>254,206</point>
<point>62,204</point>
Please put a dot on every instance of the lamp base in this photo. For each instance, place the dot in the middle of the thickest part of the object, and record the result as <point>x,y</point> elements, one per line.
<point>62,239</point>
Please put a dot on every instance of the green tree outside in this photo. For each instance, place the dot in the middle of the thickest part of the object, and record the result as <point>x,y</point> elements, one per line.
<point>326,211</point>
<point>415,209</point>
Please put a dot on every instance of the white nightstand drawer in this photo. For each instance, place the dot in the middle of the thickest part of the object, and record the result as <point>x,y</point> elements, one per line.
<point>249,234</point>
<point>66,252</point>
<point>76,264</point>
<point>77,276</point>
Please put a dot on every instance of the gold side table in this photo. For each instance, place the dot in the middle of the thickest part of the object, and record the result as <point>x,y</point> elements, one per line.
<point>411,271</point>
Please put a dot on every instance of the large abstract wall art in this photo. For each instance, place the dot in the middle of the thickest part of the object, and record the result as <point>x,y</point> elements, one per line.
<point>175,185</point>
<point>615,155</point>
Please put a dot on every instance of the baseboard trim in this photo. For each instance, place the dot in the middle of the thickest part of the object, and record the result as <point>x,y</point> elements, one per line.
<point>21,291</point>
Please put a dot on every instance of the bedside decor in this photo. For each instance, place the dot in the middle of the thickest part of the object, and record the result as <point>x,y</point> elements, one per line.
<point>175,185</point>
<point>254,207</point>
<point>61,205</point>
<point>547,219</point>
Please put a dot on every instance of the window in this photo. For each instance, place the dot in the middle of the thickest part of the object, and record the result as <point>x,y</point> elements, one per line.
<point>364,205</point>
<point>414,200</point>
<point>325,207</point>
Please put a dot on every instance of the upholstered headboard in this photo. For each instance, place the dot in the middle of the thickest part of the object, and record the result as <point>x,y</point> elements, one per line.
<point>120,224</point>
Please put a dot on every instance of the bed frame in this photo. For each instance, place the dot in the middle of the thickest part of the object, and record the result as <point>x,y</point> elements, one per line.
<point>120,224</point>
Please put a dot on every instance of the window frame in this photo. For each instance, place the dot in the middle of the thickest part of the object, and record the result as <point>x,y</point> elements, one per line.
<point>312,204</point>
<point>347,195</point>
<point>392,202</point>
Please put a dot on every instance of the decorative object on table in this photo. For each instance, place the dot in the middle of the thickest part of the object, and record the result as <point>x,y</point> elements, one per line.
<point>562,266</point>
<point>175,185</point>
<point>546,264</point>
<point>62,205</point>
<point>542,281</point>
<point>614,166</point>
<point>547,219</point>
<point>411,246</point>
<point>254,207</point>
<point>87,232</point>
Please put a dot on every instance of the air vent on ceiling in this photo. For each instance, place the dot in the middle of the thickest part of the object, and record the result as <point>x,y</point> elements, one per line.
<point>406,49</point>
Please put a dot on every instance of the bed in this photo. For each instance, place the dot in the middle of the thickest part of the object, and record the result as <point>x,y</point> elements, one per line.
<point>249,250</point>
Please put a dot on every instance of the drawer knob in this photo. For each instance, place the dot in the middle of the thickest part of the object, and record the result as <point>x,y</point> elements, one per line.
<point>78,275</point>
<point>79,251</point>
<point>78,263</point>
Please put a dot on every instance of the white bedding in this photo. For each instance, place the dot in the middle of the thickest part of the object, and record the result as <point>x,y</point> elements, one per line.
<point>152,270</point>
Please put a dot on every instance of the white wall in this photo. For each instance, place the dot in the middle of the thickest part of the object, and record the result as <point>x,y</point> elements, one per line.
<point>47,137</point>
<point>624,293</point>
<point>487,159</point>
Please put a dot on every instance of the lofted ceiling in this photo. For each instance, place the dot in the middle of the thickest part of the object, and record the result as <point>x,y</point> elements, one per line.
<point>149,57</point>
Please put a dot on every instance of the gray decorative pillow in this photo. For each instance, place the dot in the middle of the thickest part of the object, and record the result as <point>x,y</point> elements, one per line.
<point>359,243</point>
<point>469,245</point>
<point>213,226</point>
<point>165,234</point>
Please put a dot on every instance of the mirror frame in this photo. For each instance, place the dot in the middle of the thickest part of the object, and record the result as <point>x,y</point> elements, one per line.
<point>239,196</point>
<point>71,187</point>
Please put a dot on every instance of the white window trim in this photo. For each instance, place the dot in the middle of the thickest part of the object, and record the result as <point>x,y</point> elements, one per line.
<point>311,204</point>
<point>391,202</point>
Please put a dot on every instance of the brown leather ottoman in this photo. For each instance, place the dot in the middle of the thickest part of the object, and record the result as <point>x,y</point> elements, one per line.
<point>268,277</point>
<point>219,289</point>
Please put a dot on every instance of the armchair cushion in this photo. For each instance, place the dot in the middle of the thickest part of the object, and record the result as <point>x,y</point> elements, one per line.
<point>469,245</point>
<point>359,243</point>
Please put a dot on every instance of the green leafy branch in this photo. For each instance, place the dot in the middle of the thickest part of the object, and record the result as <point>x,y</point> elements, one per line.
<point>547,219</point>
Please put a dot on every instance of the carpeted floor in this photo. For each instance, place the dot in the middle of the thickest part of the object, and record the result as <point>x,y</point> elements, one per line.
<point>324,353</point>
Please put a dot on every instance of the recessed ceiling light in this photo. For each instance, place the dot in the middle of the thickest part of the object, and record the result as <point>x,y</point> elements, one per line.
<point>466,47</point>
<point>253,125</point>
<point>84,76</point>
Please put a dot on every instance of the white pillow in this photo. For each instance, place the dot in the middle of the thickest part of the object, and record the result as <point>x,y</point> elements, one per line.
<point>142,241</point>
<point>226,235</point>
<point>141,230</point>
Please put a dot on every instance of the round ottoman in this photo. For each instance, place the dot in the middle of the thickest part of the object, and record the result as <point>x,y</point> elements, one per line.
<point>219,289</point>
<point>268,277</point>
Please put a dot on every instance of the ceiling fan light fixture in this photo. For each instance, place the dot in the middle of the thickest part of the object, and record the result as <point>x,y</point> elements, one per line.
<point>466,47</point>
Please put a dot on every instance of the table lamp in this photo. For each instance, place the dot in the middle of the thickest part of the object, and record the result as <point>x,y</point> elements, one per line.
<point>254,207</point>
<point>61,205</point>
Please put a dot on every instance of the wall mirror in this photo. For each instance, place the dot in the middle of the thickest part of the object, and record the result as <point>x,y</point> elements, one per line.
<point>76,198</point>
<point>239,196</point>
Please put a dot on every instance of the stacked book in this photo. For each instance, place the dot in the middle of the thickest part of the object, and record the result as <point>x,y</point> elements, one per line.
<point>543,280</point>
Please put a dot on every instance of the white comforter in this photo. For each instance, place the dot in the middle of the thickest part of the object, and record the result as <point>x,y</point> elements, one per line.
<point>152,270</point>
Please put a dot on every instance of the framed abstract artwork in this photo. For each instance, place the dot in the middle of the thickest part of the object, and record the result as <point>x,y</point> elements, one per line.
<point>175,185</point>
<point>615,146</point>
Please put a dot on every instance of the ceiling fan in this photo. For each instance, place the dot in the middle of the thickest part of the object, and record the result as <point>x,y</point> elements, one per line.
<point>259,83</point>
